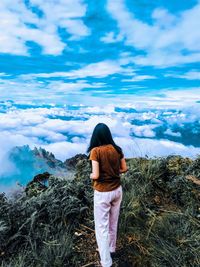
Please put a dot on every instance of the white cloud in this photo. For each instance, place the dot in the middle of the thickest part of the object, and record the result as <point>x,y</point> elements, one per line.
<point>132,147</point>
<point>87,126</point>
<point>164,19</point>
<point>72,87</point>
<point>135,32</point>
<point>26,88</point>
<point>39,132</point>
<point>110,108</point>
<point>64,150</point>
<point>183,96</point>
<point>76,28</point>
<point>3,74</point>
<point>144,130</point>
<point>139,147</point>
<point>98,70</point>
<point>110,37</point>
<point>170,132</point>
<point>164,40</point>
<point>138,78</point>
<point>66,14</point>
<point>7,141</point>
<point>190,75</point>
<point>17,21</point>
<point>165,58</point>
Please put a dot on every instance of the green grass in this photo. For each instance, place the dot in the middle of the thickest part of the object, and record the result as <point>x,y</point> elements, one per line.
<point>158,227</point>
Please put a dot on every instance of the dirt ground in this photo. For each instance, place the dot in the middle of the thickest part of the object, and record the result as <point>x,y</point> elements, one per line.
<point>87,248</point>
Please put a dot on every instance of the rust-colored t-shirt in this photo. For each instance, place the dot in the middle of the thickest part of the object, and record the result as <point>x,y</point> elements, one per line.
<point>109,165</point>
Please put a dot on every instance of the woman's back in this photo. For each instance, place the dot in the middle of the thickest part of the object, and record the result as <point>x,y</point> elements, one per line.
<point>109,165</point>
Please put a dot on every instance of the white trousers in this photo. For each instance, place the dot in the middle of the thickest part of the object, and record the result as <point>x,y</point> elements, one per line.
<point>106,214</point>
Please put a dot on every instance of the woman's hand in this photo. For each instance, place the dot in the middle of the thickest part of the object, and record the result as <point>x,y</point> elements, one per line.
<point>123,167</point>
<point>92,176</point>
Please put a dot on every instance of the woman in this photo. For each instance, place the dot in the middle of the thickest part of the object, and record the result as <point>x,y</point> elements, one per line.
<point>107,163</point>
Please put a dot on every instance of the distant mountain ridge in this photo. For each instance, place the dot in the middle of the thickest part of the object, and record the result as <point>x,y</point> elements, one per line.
<point>31,162</point>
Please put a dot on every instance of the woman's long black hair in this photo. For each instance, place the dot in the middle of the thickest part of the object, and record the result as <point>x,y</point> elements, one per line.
<point>102,136</point>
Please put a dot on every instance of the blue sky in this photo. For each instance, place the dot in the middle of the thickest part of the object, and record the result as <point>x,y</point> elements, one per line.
<point>73,51</point>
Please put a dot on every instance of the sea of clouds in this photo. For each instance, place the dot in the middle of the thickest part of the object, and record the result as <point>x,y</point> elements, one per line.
<point>65,130</point>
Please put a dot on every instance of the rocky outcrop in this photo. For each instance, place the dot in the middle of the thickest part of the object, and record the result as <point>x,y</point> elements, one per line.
<point>72,162</point>
<point>38,184</point>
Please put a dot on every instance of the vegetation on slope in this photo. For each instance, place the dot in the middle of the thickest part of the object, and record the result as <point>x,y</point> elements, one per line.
<point>159,222</point>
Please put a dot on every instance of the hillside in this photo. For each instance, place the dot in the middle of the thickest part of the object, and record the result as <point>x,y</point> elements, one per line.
<point>51,224</point>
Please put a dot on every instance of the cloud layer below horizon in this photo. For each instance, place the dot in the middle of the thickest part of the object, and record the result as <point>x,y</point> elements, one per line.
<point>65,130</point>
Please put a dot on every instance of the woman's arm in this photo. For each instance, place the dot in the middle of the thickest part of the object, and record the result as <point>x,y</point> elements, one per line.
<point>123,167</point>
<point>95,170</point>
